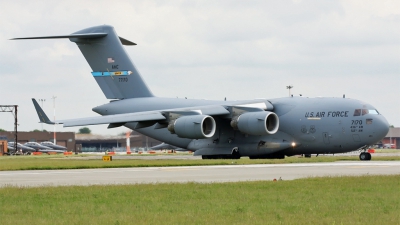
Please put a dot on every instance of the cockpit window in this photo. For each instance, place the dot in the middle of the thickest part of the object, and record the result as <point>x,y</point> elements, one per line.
<point>373,111</point>
<point>359,112</point>
<point>364,112</point>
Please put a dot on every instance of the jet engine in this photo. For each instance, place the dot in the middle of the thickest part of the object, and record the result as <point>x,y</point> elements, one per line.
<point>194,127</point>
<point>256,123</point>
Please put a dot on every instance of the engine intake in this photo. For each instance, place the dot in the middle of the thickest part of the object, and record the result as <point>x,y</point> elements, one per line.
<point>194,127</point>
<point>256,123</point>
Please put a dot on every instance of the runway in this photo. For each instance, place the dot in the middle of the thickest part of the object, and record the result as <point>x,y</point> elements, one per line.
<point>202,174</point>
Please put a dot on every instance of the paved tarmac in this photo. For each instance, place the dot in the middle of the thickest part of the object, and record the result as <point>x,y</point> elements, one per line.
<point>192,157</point>
<point>202,174</point>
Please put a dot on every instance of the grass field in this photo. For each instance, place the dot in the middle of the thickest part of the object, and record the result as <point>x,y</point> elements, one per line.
<point>339,200</point>
<point>76,162</point>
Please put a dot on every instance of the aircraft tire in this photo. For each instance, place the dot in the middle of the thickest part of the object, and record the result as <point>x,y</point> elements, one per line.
<point>365,156</point>
<point>204,157</point>
<point>307,155</point>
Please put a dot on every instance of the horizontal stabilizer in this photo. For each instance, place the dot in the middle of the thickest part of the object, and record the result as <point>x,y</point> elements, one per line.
<point>88,35</point>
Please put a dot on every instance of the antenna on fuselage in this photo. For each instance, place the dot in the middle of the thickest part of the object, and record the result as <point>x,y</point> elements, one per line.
<point>344,96</point>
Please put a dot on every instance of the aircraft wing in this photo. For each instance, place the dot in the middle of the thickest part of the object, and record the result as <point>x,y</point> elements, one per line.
<point>113,119</point>
<point>159,115</point>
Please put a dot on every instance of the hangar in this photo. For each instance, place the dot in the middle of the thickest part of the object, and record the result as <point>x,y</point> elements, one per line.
<point>392,137</point>
<point>66,139</point>
<point>85,142</point>
<point>102,143</point>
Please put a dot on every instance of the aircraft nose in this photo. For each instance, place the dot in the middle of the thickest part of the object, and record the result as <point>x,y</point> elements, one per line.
<point>382,127</point>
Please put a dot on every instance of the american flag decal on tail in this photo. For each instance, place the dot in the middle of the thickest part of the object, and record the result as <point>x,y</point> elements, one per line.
<point>110,60</point>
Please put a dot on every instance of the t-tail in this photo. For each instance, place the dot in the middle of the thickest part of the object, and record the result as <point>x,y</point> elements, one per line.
<point>112,68</point>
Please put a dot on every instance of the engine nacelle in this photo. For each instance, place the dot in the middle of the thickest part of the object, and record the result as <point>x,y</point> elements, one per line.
<point>194,127</point>
<point>256,123</point>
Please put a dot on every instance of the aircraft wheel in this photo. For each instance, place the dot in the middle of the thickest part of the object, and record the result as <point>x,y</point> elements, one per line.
<point>368,156</point>
<point>307,155</point>
<point>204,157</point>
<point>364,156</point>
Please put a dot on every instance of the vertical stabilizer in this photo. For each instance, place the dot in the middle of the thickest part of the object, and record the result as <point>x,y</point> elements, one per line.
<point>112,68</point>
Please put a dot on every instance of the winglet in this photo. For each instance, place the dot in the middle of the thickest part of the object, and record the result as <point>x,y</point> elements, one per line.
<point>42,116</point>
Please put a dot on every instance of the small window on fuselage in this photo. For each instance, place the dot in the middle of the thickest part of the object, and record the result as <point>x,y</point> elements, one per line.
<point>368,121</point>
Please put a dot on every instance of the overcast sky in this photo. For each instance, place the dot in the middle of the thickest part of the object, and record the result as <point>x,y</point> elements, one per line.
<point>203,50</point>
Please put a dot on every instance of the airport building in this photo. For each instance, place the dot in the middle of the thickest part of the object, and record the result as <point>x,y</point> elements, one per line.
<point>85,142</point>
<point>392,139</point>
<point>102,143</point>
<point>66,139</point>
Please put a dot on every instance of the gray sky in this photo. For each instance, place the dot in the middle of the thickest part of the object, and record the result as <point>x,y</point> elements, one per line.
<point>203,50</point>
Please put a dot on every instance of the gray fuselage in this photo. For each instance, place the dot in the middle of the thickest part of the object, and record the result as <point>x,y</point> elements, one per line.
<point>306,125</point>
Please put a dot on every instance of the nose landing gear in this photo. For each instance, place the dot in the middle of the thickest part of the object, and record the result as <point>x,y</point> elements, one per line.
<point>365,156</point>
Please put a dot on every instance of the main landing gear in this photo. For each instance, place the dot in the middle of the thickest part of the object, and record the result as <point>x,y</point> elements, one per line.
<point>365,156</point>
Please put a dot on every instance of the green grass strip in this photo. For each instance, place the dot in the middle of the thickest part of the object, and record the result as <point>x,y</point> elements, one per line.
<point>338,200</point>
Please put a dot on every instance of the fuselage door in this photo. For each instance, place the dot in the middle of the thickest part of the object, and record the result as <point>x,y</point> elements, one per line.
<point>325,136</point>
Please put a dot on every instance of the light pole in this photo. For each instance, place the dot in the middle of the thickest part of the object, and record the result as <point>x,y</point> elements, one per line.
<point>289,87</point>
<point>42,100</point>
<point>54,113</point>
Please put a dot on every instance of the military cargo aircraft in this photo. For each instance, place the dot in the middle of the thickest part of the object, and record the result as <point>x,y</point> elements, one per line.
<point>261,128</point>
